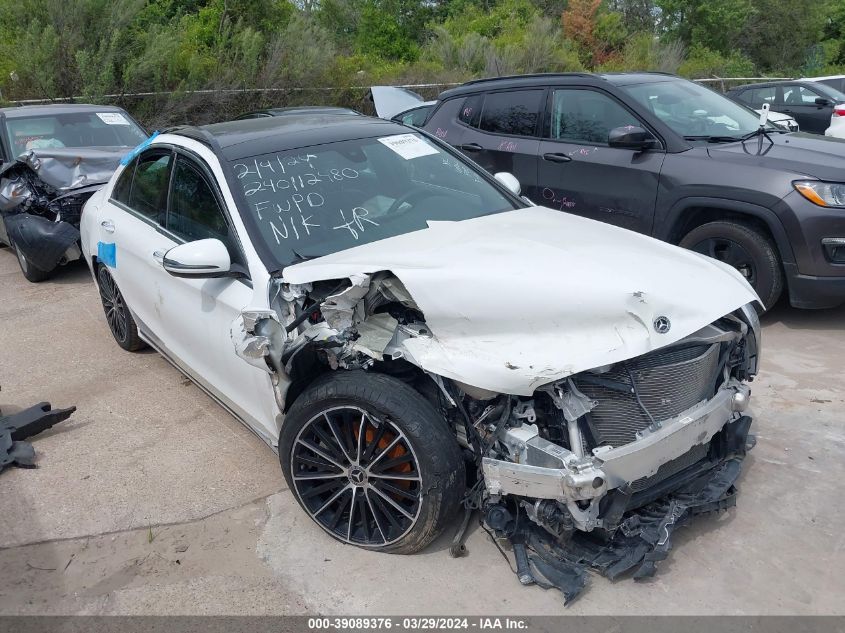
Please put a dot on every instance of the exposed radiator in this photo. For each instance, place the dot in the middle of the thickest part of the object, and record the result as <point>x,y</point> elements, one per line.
<point>669,381</point>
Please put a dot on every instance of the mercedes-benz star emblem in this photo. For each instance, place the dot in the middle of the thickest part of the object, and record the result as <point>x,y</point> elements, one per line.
<point>662,324</point>
<point>357,476</point>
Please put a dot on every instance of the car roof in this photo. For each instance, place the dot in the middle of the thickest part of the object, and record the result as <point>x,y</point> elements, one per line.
<point>304,110</point>
<point>768,84</point>
<point>545,79</point>
<point>242,138</point>
<point>823,78</point>
<point>15,112</point>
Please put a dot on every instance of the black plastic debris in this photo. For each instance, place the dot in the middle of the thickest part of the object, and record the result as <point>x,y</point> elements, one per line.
<point>14,429</point>
<point>42,241</point>
<point>642,540</point>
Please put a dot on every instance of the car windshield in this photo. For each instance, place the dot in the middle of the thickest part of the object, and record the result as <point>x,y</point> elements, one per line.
<point>72,129</point>
<point>832,93</point>
<point>327,198</point>
<point>695,112</point>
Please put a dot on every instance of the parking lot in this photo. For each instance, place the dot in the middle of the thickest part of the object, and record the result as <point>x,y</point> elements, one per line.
<point>152,499</point>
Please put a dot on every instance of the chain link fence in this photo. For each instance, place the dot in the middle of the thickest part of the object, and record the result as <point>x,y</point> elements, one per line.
<point>159,110</point>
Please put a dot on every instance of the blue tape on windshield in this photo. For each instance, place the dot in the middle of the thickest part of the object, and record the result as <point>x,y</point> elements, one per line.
<point>131,155</point>
<point>107,253</point>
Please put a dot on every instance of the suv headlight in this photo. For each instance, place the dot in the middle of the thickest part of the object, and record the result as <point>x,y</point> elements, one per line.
<point>824,194</point>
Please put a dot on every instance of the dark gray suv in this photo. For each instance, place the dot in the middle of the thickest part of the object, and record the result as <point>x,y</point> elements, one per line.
<point>669,158</point>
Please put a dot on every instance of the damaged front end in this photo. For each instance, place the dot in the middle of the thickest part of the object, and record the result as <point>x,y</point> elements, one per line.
<point>42,194</point>
<point>609,462</point>
<point>593,470</point>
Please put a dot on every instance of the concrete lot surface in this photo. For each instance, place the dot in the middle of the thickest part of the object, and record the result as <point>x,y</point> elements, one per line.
<point>152,500</point>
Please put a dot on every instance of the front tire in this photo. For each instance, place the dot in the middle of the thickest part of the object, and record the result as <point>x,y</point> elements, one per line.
<point>372,462</point>
<point>119,318</point>
<point>744,248</point>
<point>31,272</point>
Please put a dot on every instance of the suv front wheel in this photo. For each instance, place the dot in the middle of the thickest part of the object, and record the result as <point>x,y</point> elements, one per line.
<point>746,249</point>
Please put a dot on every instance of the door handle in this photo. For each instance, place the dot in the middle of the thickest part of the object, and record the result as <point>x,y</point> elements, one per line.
<point>556,157</point>
<point>108,226</point>
<point>158,256</point>
<point>471,147</point>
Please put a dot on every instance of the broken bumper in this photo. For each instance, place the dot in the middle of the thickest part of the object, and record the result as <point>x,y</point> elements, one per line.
<point>548,471</point>
<point>44,242</point>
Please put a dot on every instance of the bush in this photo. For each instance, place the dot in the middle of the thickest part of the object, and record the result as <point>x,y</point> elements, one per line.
<point>702,63</point>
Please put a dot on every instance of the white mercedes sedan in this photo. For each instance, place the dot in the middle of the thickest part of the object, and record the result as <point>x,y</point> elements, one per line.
<point>416,340</point>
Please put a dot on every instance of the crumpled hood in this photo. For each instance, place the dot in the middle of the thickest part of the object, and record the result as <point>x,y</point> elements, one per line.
<point>821,157</point>
<point>520,299</point>
<point>71,167</point>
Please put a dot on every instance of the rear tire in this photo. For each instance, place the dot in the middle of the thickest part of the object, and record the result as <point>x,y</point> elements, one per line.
<point>29,271</point>
<point>746,249</point>
<point>371,443</point>
<point>119,318</point>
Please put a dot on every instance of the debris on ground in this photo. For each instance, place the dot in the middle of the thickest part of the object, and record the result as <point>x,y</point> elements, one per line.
<point>15,428</point>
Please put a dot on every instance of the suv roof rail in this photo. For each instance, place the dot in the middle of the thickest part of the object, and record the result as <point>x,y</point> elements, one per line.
<point>529,76</point>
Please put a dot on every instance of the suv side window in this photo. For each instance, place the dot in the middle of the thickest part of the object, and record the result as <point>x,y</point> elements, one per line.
<point>515,112</point>
<point>149,186</point>
<point>756,97</point>
<point>194,212</point>
<point>799,95</point>
<point>470,112</point>
<point>585,116</point>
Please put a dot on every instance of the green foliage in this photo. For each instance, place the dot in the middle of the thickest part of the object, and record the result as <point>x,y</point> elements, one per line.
<point>717,25</point>
<point>702,63</point>
<point>292,48</point>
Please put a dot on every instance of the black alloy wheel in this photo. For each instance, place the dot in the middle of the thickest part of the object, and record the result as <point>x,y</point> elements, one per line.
<point>118,316</point>
<point>357,476</point>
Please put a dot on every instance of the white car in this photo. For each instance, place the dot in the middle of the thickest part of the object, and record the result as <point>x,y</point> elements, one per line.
<point>414,338</point>
<point>783,120</point>
<point>837,118</point>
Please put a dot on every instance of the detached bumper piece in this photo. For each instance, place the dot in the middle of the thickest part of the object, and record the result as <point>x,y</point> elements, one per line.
<point>42,241</point>
<point>16,428</point>
<point>640,534</point>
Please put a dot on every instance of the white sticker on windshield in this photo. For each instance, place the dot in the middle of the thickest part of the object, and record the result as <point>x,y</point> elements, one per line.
<point>112,118</point>
<point>408,146</point>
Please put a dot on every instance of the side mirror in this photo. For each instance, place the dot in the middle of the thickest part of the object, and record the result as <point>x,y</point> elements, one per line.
<point>631,137</point>
<point>203,258</point>
<point>509,181</point>
<point>823,102</point>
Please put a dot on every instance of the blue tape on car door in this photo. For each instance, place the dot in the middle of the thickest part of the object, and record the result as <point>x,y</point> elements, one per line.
<point>107,253</point>
<point>140,148</point>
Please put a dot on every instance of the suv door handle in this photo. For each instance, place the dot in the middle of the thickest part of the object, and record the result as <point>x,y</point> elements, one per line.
<point>471,147</point>
<point>158,256</point>
<point>557,157</point>
<point>108,226</point>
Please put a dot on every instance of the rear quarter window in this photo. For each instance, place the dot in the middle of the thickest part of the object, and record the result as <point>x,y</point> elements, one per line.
<point>513,113</point>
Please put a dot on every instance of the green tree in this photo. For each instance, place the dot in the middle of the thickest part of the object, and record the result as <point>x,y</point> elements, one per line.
<point>717,25</point>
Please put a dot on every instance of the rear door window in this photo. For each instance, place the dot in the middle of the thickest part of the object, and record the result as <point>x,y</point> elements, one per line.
<point>149,187</point>
<point>515,113</point>
<point>123,186</point>
<point>756,97</point>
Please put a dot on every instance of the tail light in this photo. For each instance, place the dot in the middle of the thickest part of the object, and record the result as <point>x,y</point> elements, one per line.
<point>839,110</point>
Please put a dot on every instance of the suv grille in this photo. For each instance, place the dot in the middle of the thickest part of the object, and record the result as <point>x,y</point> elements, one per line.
<point>669,382</point>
